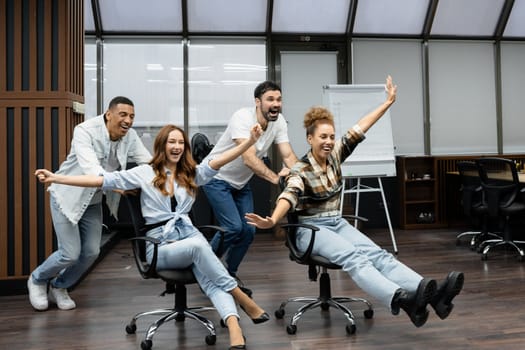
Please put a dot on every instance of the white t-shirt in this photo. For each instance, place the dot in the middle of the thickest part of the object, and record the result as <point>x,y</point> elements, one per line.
<point>236,173</point>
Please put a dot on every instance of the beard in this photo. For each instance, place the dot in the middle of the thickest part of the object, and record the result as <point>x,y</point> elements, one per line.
<point>272,114</point>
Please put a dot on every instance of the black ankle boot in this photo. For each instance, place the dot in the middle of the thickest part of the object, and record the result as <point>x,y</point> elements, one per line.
<point>446,291</point>
<point>415,304</point>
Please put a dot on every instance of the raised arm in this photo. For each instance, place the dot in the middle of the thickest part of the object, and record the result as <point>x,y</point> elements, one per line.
<point>241,147</point>
<point>46,176</point>
<point>371,118</point>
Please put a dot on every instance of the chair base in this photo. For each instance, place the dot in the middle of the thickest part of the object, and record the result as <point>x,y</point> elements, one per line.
<point>172,314</point>
<point>491,243</point>
<point>477,238</point>
<point>324,301</point>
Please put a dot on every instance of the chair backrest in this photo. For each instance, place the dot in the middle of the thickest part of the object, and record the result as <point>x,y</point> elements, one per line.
<point>132,204</point>
<point>200,147</point>
<point>500,182</point>
<point>471,188</point>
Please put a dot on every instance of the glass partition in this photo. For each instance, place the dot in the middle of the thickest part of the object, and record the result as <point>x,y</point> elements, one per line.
<point>150,73</point>
<point>222,75</point>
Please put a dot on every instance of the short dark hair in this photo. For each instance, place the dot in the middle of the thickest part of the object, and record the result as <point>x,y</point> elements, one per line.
<point>120,100</point>
<point>264,87</point>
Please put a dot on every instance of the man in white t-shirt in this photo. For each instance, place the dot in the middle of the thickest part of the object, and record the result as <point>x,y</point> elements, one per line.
<point>229,192</point>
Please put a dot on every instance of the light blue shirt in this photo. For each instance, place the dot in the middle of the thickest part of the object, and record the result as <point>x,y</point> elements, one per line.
<point>89,154</point>
<point>156,207</point>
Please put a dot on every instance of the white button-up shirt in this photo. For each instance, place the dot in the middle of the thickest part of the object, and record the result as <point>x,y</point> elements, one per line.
<point>89,155</point>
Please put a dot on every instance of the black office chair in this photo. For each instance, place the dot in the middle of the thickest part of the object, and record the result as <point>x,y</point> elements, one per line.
<point>175,279</point>
<point>325,300</point>
<point>473,206</point>
<point>501,189</point>
<point>200,147</point>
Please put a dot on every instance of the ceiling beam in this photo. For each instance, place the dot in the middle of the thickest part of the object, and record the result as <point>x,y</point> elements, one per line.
<point>97,19</point>
<point>351,18</point>
<point>429,19</point>
<point>184,14</point>
<point>503,19</point>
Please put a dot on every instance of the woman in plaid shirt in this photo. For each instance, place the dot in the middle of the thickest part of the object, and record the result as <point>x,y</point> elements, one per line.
<point>313,191</point>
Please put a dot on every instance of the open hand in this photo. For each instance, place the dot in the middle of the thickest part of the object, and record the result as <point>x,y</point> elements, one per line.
<point>391,89</point>
<point>258,221</point>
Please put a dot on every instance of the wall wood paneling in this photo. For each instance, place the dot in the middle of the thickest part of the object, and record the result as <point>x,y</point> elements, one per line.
<point>41,76</point>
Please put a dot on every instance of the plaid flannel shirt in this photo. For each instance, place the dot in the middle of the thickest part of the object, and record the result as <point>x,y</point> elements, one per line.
<point>313,192</point>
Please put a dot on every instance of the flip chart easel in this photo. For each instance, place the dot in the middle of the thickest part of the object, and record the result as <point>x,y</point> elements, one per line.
<point>361,188</point>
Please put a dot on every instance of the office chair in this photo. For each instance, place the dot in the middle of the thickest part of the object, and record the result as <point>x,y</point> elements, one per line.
<point>472,202</point>
<point>175,279</point>
<point>200,147</point>
<point>501,187</point>
<point>325,300</point>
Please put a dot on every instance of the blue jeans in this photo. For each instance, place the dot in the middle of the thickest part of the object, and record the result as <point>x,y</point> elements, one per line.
<point>192,249</point>
<point>78,247</point>
<point>229,207</point>
<point>373,269</point>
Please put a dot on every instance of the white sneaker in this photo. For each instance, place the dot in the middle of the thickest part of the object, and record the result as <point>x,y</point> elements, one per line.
<point>37,295</point>
<point>60,297</point>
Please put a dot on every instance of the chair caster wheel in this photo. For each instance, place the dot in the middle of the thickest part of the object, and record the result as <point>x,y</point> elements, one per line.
<point>484,257</point>
<point>368,313</point>
<point>291,329</point>
<point>350,329</point>
<point>210,339</point>
<point>146,344</point>
<point>131,328</point>
<point>325,306</point>
<point>279,313</point>
<point>180,317</point>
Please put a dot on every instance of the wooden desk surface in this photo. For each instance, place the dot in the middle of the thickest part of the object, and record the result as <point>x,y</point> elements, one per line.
<point>521,175</point>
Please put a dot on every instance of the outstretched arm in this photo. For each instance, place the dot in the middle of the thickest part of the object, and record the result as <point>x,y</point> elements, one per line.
<point>46,176</point>
<point>371,118</point>
<point>270,221</point>
<point>233,153</point>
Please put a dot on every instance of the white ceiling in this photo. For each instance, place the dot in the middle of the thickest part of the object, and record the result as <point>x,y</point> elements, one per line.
<point>478,19</point>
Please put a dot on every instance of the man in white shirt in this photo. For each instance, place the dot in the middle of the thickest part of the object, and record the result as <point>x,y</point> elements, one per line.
<point>105,142</point>
<point>229,193</point>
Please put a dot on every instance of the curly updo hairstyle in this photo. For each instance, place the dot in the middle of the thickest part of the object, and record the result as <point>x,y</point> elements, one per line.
<point>316,115</point>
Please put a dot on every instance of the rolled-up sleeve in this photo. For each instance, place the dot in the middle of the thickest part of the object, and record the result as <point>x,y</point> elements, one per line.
<point>292,192</point>
<point>204,174</point>
<point>125,179</point>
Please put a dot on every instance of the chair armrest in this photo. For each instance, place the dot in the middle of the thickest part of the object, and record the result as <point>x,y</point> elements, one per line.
<point>146,270</point>
<point>355,217</point>
<point>291,241</point>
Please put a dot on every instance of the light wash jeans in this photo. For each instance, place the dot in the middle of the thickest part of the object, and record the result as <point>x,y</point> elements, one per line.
<point>78,247</point>
<point>229,207</point>
<point>373,269</point>
<point>192,248</point>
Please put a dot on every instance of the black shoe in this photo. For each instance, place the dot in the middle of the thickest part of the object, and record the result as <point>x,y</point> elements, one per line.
<point>415,304</point>
<point>261,319</point>
<point>446,291</point>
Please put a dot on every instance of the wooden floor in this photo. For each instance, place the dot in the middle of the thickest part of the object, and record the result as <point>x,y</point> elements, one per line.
<point>489,313</point>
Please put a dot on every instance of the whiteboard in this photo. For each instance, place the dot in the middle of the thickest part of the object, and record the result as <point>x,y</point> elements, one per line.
<point>374,157</point>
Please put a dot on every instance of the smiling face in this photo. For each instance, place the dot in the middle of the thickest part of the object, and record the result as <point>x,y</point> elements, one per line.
<point>322,141</point>
<point>118,120</point>
<point>174,148</point>
<point>269,106</point>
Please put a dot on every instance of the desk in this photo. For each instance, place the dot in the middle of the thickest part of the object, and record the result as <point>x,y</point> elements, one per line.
<point>521,175</point>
